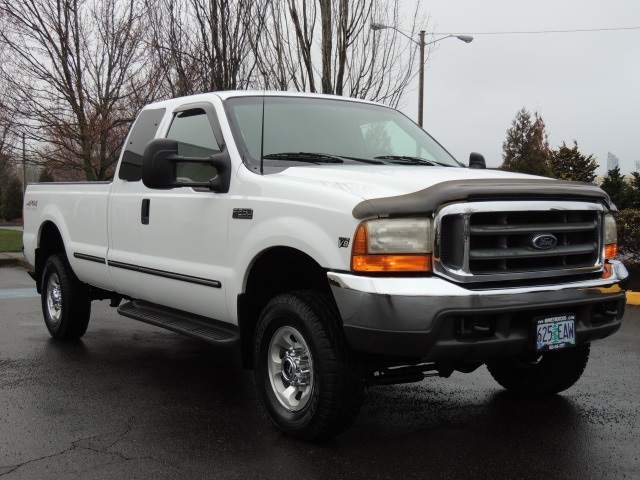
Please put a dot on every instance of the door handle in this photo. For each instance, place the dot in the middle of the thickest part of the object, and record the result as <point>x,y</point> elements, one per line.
<point>144,213</point>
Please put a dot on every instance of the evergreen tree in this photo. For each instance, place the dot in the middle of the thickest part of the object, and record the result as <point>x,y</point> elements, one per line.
<point>618,190</point>
<point>635,191</point>
<point>526,149</point>
<point>569,164</point>
<point>46,176</point>
<point>12,201</point>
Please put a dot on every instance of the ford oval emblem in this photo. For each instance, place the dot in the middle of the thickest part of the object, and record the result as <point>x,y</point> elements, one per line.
<point>544,241</point>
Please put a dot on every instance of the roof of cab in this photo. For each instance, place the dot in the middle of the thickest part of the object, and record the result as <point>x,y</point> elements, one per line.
<point>223,95</point>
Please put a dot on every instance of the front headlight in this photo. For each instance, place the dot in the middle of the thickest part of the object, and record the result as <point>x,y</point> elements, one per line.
<point>610,237</point>
<point>393,245</point>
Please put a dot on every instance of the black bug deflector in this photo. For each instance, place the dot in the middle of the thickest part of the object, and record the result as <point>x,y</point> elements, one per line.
<point>428,200</point>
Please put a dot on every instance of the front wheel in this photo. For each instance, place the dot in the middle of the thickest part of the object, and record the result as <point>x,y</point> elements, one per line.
<point>66,305</point>
<point>546,374</point>
<point>304,369</point>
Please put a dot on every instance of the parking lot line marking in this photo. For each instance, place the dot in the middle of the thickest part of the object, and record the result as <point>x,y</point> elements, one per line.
<point>19,293</point>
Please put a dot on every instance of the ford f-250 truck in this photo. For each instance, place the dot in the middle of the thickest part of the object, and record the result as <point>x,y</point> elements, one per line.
<point>339,244</point>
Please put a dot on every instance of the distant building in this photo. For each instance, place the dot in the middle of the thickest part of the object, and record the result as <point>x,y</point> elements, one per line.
<point>637,166</point>
<point>600,179</point>
<point>612,161</point>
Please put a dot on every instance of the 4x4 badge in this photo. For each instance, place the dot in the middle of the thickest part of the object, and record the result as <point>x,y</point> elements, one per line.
<point>343,242</point>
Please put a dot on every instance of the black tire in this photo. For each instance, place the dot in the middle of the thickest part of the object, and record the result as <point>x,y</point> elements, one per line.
<point>330,394</point>
<point>551,373</point>
<point>66,305</point>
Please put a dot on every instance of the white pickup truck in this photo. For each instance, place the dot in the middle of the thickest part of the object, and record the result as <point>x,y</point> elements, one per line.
<point>339,244</point>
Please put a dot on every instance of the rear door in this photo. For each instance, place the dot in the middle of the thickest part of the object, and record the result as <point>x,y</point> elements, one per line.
<point>125,207</point>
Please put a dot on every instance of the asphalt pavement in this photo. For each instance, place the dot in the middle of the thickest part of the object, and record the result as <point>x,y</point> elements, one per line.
<point>133,401</point>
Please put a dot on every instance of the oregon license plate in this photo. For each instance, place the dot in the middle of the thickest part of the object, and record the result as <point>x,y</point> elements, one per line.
<point>553,333</point>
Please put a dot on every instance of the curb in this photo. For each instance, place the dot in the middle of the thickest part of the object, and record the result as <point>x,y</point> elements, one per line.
<point>15,262</point>
<point>633,298</point>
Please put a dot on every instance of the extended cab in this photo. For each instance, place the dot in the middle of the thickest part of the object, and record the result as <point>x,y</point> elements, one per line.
<point>339,244</point>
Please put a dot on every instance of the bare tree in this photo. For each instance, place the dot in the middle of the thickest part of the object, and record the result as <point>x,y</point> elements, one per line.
<point>306,45</point>
<point>327,46</point>
<point>7,143</point>
<point>204,45</point>
<point>77,71</point>
<point>7,133</point>
<point>77,76</point>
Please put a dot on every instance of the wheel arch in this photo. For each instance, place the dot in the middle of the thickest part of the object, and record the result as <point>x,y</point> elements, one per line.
<point>50,242</point>
<point>274,271</point>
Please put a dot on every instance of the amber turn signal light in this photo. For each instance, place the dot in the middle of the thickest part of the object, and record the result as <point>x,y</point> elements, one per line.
<point>391,263</point>
<point>360,241</point>
<point>607,271</point>
<point>610,251</point>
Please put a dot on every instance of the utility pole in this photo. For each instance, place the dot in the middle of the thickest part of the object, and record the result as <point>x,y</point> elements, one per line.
<point>421,81</point>
<point>24,164</point>
<point>421,44</point>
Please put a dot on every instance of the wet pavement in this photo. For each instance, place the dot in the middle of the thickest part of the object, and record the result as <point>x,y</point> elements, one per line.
<point>134,401</point>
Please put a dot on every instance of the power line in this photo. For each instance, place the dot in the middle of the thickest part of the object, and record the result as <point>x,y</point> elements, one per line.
<point>579,30</point>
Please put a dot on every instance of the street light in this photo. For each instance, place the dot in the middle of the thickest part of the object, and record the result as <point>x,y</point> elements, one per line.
<point>422,44</point>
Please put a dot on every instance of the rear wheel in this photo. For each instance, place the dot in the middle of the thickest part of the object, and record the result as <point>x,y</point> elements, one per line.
<point>546,374</point>
<point>66,305</point>
<point>304,369</point>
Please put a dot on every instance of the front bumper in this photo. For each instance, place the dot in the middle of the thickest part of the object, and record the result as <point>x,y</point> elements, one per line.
<point>434,320</point>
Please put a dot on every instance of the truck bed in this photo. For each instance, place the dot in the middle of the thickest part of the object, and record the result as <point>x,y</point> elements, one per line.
<point>79,209</point>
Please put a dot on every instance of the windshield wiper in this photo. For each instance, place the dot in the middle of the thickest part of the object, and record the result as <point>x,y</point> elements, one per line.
<point>407,160</point>
<point>308,157</point>
<point>363,160</point>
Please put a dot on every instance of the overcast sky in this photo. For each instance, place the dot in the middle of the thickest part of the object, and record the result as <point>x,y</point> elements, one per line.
<point>585,85</point>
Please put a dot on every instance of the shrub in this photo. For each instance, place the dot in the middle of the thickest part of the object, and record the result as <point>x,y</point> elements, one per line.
<point>12,201</point>
<point>628,222</point>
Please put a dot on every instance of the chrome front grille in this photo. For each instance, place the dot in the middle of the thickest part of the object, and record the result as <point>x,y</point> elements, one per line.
<point>488,241</point>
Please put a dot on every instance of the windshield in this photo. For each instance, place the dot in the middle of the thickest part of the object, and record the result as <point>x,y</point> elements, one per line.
<point>299,130</point>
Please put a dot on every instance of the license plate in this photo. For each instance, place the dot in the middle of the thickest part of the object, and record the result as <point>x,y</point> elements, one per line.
<point>553,333</point>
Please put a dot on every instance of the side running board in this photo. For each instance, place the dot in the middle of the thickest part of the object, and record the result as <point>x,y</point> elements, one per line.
<point>209,330</point>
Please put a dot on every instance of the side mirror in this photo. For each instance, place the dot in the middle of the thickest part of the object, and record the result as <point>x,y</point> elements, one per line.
<point>161,158</point>
<point>476,161</point>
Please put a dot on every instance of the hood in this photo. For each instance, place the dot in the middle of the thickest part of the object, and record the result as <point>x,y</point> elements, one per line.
<point>376,181</point>
<point>393,190</point>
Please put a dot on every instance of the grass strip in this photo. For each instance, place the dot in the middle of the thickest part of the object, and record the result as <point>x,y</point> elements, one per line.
<point>10,240</point>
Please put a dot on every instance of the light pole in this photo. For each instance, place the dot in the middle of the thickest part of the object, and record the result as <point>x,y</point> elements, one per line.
<point>422,44</point>
<point>24,165</point>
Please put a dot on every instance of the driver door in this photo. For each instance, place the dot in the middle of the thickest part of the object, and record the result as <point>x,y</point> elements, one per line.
<point>184,242</point>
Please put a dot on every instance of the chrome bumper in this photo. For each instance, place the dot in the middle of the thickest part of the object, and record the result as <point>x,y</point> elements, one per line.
<point>416,317</point>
